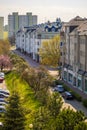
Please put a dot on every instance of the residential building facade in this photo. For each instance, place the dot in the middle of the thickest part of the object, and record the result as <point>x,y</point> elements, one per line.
<point>16,21</point>
<point>75,64</point>
<point>30,39</point>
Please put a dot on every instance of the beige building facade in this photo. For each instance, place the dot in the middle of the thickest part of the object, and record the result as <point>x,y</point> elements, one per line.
<point>75,64</point>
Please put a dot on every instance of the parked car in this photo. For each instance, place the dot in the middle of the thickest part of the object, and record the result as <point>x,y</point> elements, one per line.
<point>59,88</point>
<point>2,75</point>
<point>3,95</point>
<point>68,95</point>
<point>2,100</point>
<point>3,103</point>
<point>5,91</point>
<point>1,80</point>
<point>2,109</point>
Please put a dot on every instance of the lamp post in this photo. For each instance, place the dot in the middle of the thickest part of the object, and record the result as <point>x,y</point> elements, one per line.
<point>31,126</point>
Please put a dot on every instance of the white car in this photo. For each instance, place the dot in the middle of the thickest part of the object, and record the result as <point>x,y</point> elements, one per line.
<point>3,101</point>
<point>2,109</point>
<point>59,88</point>
<point>2,75</point>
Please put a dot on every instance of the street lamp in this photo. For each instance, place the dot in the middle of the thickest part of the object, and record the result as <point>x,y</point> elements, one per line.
<point>31,126</point>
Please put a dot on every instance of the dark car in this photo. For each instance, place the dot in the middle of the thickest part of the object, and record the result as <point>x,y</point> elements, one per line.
<point>59,88</point>
<point>4,93</point>
<point>67,95</point>
<point>1,79</point>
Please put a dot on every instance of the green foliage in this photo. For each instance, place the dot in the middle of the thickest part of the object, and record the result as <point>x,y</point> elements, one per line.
<point>56,82</point>
<point>50,52</point>
<point>67,119</point>
<point>54,104</point>
<point>85,102</point>
<point>14,117</point>
<point>81,126</point>
<point>42,117</point>
<point>75,94</point>
<point>28,101</point>
<point>19,63</point>
<point>40,81</point>
<point>4,47</point>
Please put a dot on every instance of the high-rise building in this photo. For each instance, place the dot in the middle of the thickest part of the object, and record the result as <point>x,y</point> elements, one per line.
<point>1,27</point>
<point>16,21</point>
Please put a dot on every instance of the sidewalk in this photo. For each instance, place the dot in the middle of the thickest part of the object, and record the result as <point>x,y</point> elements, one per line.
<point>3,85</point>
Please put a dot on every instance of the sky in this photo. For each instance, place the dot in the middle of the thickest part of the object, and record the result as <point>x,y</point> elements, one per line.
<point>45,9</point>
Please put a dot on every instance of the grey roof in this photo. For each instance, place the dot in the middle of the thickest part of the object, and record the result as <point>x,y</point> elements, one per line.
<point>76,21</point>
<point>81,29</point>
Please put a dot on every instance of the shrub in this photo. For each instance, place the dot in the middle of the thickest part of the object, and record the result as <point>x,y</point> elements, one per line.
<point>76,95</point>
<point>56,82</point>
<point>66,87</point>
<point>85,102</point>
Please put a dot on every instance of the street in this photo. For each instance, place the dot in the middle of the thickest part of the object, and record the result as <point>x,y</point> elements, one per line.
<point>73,104</point>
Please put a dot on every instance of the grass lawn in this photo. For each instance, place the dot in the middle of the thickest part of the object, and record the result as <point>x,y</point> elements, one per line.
<point>29,103</point>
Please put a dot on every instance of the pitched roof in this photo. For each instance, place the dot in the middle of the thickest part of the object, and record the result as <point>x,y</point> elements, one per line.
<point>76,21</point>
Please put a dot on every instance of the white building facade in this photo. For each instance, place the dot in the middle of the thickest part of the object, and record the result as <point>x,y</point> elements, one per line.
<point>30,39</point>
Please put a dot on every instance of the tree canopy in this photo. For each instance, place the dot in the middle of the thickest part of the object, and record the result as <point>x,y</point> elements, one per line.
<point>14,117</point>
<point>4,47</point>
<point>50,52</point>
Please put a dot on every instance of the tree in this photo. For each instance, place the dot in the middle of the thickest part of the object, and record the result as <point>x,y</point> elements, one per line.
<point>81,126</point>
<point>14,116</point>
<point>41,119</point>
<point>4,47</point>
<point>40,80</point>
<point>50,52</point>
<point>18,63</point>
<point>68,119</point>
<point>54,104</point>
<point>4,62</point>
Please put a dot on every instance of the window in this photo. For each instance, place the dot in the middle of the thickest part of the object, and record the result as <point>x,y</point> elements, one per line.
<point>61,53</point>
<point>79,83</point>
<point>37,43</point>
<point>38,50</point>
<point>70,77</point>
<point>65,75</point>
<point>86,85</point>
<point>39,36</point>
<point>61,43</point>
<point>74,81</point>
<point>23,40</point>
